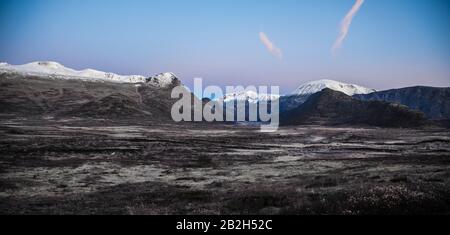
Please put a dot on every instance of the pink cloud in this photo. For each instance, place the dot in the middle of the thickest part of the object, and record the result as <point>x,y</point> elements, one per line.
<point>345,25</point>
<point>275,51</point>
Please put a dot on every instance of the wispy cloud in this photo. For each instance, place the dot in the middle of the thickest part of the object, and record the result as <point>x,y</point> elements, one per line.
<point>345,25</point>
<point>275,51</point>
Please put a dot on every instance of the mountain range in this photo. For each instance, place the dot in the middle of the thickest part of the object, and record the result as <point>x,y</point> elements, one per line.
<point>50,89</point>
<point>433,102</point>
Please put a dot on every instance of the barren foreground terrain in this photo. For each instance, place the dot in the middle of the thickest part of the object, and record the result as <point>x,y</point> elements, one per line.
<point>70,167</point>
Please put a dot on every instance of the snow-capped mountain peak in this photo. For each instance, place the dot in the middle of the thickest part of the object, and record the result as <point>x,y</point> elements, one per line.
<point>57,70</point>
<point>42,67</point>
<point>250,96</point>
<point>317,86</point>
<point>163,79</point>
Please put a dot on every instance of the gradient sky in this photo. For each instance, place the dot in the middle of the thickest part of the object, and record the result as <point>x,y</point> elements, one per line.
<point>391,43</point>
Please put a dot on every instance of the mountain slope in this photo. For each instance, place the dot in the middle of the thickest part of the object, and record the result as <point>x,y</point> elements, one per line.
<point>291,102</point>
<point>317,86</point>
<point>433,102</point>
<point>112,106</point>
<point>330,107</point>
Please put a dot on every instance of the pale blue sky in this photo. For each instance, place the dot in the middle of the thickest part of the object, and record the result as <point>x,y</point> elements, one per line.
<point>390,43</point>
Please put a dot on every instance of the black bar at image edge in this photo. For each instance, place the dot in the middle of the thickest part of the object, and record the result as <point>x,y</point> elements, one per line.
<point>225,224</point>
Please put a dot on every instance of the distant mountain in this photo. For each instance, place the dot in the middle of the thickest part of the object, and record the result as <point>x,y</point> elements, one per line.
<point>433,102</point>
<point>330,107</point>
<point>302,93</point>
<point>317,86</point>
<point>57,70</point>
<point>248,96</point>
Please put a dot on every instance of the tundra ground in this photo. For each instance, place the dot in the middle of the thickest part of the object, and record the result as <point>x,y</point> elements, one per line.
<point>95,167</point>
